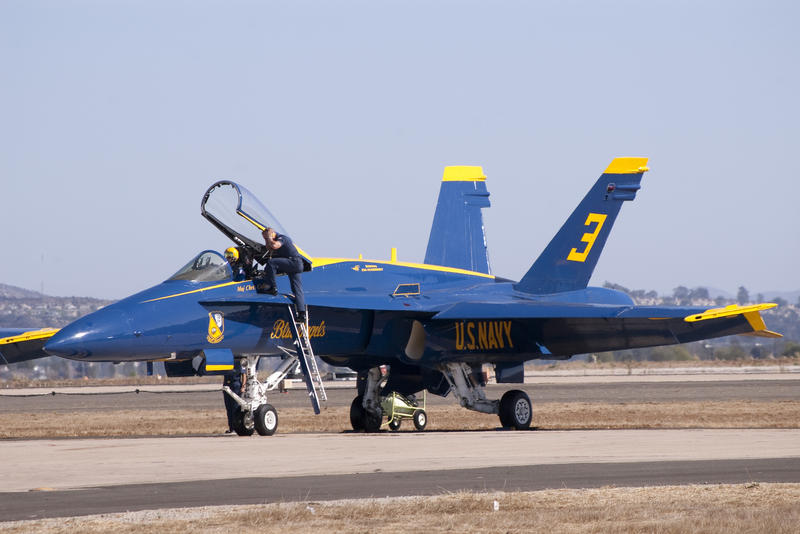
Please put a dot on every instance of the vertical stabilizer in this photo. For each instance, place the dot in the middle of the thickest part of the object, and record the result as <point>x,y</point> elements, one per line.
<point>457,236</point>
<point>569,260</point>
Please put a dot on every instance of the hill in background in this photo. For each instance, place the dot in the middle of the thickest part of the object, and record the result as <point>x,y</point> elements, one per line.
<point>23,308</point>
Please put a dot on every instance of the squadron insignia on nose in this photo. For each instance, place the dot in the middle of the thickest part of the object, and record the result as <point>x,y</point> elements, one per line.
<point>216,327</point>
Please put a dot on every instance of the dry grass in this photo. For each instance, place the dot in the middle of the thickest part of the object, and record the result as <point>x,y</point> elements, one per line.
<point>769,508</point>
<point>122,423</point>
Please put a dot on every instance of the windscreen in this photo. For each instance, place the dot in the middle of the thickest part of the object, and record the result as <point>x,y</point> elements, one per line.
<point>208,266</point>
<point>238,213</point>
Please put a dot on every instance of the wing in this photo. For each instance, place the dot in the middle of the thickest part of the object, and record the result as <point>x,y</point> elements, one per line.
<point>563,329</point>
<point>20,345</point>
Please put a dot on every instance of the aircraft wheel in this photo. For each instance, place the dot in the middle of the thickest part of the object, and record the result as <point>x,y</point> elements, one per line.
<point>243,422</point>
<point>265,420</point>
<point>357,413</point>
<point>373,420</point>
<point>515,410</point>
<point>420,420</point>
<point>394,424</point>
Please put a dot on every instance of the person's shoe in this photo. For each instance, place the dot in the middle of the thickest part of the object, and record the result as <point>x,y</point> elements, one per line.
<point>301,317</point>
<point>263,287</point>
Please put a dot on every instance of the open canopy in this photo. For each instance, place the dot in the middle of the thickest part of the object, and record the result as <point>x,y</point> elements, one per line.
<point>237,213</point>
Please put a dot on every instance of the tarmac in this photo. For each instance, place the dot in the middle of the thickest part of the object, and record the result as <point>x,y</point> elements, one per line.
<point>59,478</point>
<point>72,477</point>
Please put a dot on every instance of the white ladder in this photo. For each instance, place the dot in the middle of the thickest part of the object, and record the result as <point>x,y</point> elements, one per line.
<point>308,362</point>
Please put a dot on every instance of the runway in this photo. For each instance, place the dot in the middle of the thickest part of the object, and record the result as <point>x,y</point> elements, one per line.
<point>72,477</point>
<point>193,471</point>
<point>260,490</point>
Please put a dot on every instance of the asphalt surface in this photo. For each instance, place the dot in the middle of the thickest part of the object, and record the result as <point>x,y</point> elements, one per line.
<point>62,478</point>
<point>689,391</point>
<point>133,497</point>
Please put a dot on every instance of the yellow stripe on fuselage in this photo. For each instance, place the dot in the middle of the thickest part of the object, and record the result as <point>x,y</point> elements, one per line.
<point>627,166</point>
<point>209,288</point>
<point>322,262</point>
<point>29,336</point>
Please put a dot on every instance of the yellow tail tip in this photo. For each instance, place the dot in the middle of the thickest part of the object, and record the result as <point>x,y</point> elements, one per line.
<point>463,173</point>
<point>627,166</point>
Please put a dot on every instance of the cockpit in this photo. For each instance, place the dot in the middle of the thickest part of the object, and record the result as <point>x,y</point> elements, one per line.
<point>208,266</point>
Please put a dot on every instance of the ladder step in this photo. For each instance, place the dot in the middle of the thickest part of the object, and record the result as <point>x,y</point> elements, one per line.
<point>308,363</point>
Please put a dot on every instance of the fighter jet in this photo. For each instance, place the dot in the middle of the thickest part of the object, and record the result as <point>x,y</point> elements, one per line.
<point>403,327</point>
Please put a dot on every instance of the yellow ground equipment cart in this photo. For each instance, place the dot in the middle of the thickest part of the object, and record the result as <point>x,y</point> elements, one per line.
<point>397,407</point>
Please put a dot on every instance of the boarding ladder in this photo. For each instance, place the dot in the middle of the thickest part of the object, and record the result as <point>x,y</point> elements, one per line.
<point>308,362</point>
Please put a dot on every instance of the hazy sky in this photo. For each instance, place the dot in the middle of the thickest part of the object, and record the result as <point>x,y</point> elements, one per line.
<point>116,116</point>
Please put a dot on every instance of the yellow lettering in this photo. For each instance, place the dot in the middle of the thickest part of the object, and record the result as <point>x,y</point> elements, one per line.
<point>492,340</point>
<point>317,331</point>
<point>482,343</point>
<point>498,334</point>
<point>489,335</point>
<point>283,330</point>
<point>507,328</point>
<point>588,238</point>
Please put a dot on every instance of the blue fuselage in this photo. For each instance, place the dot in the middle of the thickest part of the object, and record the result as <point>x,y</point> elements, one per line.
<point>364,314</point>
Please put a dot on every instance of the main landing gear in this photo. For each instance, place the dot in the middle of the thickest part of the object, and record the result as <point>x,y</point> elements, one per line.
<point>367,411</point>
<point>514,407</point>
<point>254,414</point>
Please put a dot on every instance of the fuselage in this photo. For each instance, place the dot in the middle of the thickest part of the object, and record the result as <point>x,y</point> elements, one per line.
<point>358,310</point>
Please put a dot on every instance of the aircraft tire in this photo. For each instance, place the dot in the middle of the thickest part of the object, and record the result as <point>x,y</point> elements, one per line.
<point>265,420</point>
<point>373,420</point>
<point>394,424</point>
<point>357,413</point>
<point>420,420</point>
<point>515,410</point>
<point>243,423</point>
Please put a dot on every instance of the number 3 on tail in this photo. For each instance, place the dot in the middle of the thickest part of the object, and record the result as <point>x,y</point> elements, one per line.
<point>588,238</point>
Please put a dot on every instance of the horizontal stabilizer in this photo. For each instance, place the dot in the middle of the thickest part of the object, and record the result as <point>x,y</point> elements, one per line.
<point>728,311</point>
<point>751,313</point>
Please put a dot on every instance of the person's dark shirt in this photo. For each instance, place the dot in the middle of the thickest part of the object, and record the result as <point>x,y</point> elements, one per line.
<point>287,249</point>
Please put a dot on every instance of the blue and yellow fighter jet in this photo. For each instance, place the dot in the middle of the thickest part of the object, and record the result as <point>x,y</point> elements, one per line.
<point>432,325</point>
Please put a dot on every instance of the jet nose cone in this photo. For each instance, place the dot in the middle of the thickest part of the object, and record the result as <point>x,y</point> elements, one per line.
<point>90,336</point>
<point>61,344</point>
